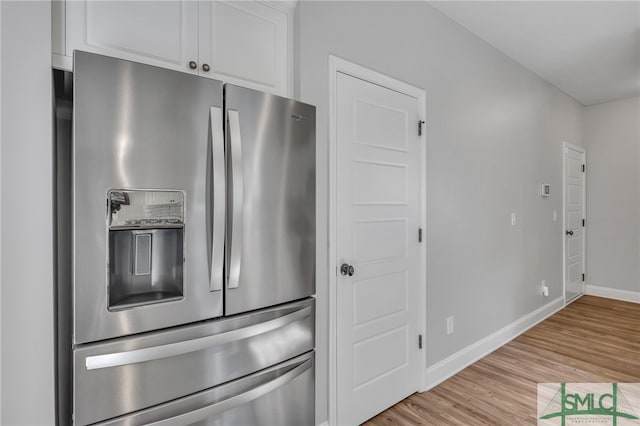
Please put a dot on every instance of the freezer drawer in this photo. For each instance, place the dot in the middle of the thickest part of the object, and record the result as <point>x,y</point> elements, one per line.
<point>282,395</point>
<point>128,374</point>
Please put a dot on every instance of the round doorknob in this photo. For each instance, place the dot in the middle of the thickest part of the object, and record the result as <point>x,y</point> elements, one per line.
<point>205,67</point>
<point>569,232</point>
<point>193,65</point>
<point>346,269</point>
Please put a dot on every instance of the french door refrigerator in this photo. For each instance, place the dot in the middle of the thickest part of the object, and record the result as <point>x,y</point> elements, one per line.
<point>190,250</point>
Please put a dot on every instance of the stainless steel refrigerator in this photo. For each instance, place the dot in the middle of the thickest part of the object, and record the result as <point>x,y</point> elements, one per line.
<point>186,249</point>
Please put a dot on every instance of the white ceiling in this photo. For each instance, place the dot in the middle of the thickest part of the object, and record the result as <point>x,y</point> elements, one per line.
<point>588,49</point>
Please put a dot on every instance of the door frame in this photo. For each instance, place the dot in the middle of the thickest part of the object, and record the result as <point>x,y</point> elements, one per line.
<point>565,147</point>
<point>339,65</point>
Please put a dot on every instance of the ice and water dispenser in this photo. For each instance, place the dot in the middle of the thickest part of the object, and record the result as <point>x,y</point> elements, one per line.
<point>146,247</point>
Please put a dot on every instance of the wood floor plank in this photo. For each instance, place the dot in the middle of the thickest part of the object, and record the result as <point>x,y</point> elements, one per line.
<point>591,340</point>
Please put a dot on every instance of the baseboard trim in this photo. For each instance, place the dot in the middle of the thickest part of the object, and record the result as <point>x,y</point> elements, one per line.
<point>455,363</point>
<point>613,293</point>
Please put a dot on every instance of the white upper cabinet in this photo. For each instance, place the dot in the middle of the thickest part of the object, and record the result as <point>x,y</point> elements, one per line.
<point>162,33</point>
<point>248,43</point>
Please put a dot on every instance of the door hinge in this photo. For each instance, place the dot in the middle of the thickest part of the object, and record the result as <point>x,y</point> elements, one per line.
<point>420,124</point>
<point>584,167</point>
<point>583,223</point>
<point>582,277</point>
<point>419,341</point>
<point>419,235</point>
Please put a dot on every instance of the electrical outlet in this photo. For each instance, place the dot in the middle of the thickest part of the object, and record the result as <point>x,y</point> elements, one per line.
<point>513,219</point>
<point>544,290</point>
<point>449,325</point>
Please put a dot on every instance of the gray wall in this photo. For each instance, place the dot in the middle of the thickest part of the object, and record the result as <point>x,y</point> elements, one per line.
<point>612,140</point>
<point>26,275</point>
<point>494,133</point>
<point>0,212</point>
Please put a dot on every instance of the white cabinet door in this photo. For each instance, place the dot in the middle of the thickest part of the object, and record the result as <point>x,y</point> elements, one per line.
<point>245,43</point>
<point>248,43</point>
<point>161,33</point>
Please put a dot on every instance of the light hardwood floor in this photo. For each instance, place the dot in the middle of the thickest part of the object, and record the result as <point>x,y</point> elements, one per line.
<point>591,340</point>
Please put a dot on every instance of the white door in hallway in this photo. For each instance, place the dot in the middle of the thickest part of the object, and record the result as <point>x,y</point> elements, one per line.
<point>574,220</point>
<point>378,205</point>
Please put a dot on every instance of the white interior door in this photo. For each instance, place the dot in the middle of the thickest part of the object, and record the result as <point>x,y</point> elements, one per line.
<point>574,220</point>
<point>378,204</point>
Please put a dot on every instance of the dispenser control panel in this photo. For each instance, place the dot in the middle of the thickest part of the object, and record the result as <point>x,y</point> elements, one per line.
<point>145,209</point>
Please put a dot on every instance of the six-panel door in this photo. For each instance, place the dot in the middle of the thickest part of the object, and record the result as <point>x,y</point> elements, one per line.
<point>378,171</point>
<point>574,215</point>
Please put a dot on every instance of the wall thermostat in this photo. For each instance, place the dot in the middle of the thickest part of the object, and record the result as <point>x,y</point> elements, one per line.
<point>545,190</point>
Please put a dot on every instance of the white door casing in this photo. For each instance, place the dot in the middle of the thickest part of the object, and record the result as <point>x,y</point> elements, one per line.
<point>574,220</point>
<point>377,312</point>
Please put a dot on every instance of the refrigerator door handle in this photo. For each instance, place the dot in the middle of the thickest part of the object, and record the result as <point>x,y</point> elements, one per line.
<point>219,210</point>
<point>118,359</point>
<point>235,146</point>
<point>217,408</point>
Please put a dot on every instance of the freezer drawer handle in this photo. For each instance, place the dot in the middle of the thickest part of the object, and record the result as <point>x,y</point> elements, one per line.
<point>173,349</point>
<point>235,401</point>
<point>237,201</point>
<point>217,161</point>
